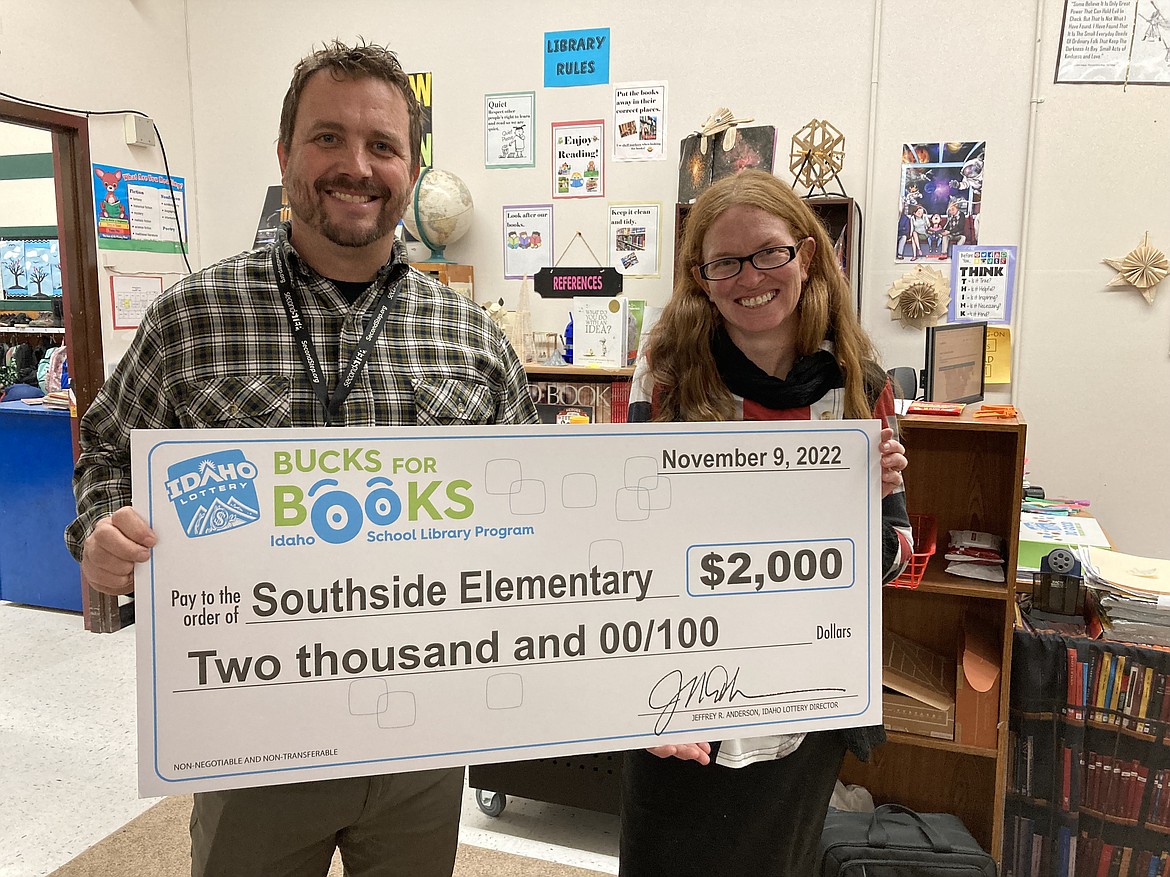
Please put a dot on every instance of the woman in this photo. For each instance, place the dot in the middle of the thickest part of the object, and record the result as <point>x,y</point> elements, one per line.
<point>918,231</point>
<point>934,233</point>
<point>761,326</point>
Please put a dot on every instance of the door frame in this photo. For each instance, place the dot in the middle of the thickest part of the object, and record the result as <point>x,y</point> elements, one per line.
<point>77,239</point>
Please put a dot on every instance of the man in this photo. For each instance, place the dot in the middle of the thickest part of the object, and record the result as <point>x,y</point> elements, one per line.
<point>239,344</point>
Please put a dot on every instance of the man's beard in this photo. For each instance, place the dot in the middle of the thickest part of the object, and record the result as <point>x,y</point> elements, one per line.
<point>308,205</point>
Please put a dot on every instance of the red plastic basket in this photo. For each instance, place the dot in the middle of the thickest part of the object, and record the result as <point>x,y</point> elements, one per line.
<point>925,529</point>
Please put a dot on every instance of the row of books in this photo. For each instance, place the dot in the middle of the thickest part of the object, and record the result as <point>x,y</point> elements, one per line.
<point>1106,785</point>
<point>1027,853</point>
<point>1116,689</point>
<point>1021,765</point>
<point>59,400</point>
<point>1109,784</point>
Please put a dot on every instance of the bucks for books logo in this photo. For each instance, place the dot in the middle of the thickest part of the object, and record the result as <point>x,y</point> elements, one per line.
<point>214,493</point>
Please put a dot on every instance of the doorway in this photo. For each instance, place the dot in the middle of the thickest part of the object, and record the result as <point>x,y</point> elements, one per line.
<point>81,309</point>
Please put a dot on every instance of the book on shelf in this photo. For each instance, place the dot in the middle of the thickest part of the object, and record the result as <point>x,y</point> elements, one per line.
<point>1040,534</point>
<point>918,688</point>
<point>601,331</point>
<point>595,395</point>
<point>705,158</point>
<point>564,413</point>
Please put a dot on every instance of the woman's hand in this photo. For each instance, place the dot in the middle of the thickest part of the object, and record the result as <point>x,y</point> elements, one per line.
<point>700,752</point>
<point>893,462</point>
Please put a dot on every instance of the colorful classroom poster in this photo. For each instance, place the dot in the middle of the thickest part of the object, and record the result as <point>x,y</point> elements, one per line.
<point>639,121</point>
<point>30,269</point>
<point>576,57</point>
<point>982,280</point>
<point>633,238</point>
<point>1115,42</point>
<point>578,159</point>
<point>421,83</point>
<point>942,186</point>
<point>528,242</point>
<point>509,130</point>
<point>139,210</point>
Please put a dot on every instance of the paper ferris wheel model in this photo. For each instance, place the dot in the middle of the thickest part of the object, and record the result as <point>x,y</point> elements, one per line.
<point>818,154</point>
<point>919,297</point>
<point>1143,268</point>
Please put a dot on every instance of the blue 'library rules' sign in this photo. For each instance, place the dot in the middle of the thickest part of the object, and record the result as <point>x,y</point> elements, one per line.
<point>576,57</point>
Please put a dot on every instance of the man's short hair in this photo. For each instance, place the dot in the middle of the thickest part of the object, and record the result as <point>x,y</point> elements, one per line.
<point>357,62</point>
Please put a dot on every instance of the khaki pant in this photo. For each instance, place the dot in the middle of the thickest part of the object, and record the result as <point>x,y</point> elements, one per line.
<point>386,826</point>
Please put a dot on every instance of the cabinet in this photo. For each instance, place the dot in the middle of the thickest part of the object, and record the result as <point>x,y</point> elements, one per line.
<point>36,469</point>
<point>460,278</point>
<point>968,474</point>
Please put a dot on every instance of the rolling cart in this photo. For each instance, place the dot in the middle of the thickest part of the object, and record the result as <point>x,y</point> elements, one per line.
<point>591,782</point>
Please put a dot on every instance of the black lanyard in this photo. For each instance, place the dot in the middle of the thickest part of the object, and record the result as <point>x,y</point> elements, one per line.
<point>331,403</point>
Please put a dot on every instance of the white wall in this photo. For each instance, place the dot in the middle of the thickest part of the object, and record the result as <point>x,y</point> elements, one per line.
<point>26,202</point>
<point>109,55</point>
<point>1074,173</point>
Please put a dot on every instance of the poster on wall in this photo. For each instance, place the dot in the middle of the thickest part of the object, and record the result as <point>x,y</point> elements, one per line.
<point>420,84</point>
<point>982,280</point>
<point>639,121</point>
<point>633,238</point>
<point>576,57</point>
<point>1115,42</point>
<point>276,210</point>
<point>997,365</point>
<point>129,296</point>
<point>577,160</point>
<point>528,243</point>
<point>942,190</point>
<point>509,130</point>
<point>30,269</point>
<point>139,210</point>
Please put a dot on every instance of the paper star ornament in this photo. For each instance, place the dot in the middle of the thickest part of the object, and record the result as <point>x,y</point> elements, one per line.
<point>1143,268</point>
<point>919,297</point>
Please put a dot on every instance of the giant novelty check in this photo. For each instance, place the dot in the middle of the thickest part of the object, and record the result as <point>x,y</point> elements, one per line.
<point>326,603</point>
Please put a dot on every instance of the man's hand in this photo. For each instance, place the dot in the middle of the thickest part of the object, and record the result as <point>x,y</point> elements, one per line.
<point>111,550</point>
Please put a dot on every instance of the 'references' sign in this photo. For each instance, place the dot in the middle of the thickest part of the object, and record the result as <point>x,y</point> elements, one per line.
<point>570,282</point>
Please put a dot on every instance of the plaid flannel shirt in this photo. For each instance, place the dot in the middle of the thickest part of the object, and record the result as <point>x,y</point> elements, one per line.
<point>216,350</point>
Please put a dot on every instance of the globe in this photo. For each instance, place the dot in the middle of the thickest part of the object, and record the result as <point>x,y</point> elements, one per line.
<point>439,211</point>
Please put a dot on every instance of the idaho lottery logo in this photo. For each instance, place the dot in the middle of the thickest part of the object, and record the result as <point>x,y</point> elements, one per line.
<point>214,493</point>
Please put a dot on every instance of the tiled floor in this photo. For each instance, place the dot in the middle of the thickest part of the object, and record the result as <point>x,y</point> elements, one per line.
<point>68,755</point>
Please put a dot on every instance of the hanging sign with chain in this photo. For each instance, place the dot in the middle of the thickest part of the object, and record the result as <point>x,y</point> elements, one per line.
<point>558,282</point>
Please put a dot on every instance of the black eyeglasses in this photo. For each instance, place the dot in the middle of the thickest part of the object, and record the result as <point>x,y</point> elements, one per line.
<point>762,260</point>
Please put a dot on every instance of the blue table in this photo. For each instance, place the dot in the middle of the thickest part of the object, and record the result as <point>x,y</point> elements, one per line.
<point>36,504</point>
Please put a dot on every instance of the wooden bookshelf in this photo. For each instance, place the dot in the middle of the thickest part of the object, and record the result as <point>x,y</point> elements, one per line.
<point>575,372</point>
<point>968,474</point>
